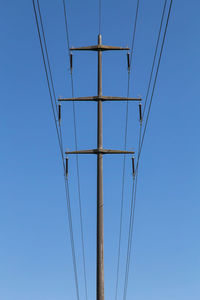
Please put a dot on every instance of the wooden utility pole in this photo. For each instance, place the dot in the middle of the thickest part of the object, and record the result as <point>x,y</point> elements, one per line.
<point>100,152</point>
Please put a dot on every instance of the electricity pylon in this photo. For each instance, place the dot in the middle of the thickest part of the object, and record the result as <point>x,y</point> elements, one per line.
<point>100,151</point>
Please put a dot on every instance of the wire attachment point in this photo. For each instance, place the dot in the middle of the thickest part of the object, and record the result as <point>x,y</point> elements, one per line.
<point>140,112</point>
<point>71,62</point>
<point>66,167</point>
<point>59,113</point>
<point>133,166</point>
<point>128,61</point>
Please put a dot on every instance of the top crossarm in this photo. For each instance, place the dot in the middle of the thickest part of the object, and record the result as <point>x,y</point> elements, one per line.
<point>102,98</point>
<point>98,48</point>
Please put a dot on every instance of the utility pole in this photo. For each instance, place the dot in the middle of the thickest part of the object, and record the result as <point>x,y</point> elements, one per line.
<point>100,151</point>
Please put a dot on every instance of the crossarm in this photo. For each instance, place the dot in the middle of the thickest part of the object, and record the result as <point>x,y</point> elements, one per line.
<point>100,151</point>
<point>102,98</point>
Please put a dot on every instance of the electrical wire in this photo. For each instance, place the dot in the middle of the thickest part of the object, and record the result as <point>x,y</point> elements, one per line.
<point>155,81</point>
<point>124,158</point>
<point>46,51</point>
<point>134,30</point>
<point>141,140</point>
<point>131,221</point>
<point>60,147</point>
<point>47,77</point>
<point>140,136</point>
<point>77,158</point>
<point>50,74</point>
<point>154,58</point>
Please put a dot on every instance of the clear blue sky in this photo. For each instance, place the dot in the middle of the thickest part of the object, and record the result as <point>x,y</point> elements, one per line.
<point>35,253</point>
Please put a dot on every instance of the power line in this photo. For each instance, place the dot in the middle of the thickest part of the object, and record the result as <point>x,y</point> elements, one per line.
<point>50,74</point>
<point>141,140</point>
<point>46,51</point>
<point>136,176</point>
<point>131,222</point>
<point>155,80</point>
<point>47,77</point>
<point>77,159</point>
<point>66,25</point>
<point>154,58</point>
<point>135,27</point>
<point>140,144</point>
<point>124,158</point>
<point>60,146</point>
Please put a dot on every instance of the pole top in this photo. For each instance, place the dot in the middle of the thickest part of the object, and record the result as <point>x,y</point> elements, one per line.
<point>99,39</point>
<point>99,47</point>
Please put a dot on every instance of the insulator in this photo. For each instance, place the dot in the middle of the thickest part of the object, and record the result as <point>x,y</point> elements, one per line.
<point>128,61</point>
<point>133,166</point>
<point>66,167</point>
<point>71,62</point>
<point>59,113</point>
<point>140,111</point>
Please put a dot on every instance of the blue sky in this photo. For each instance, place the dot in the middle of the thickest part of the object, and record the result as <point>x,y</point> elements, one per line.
<point>35,253</point>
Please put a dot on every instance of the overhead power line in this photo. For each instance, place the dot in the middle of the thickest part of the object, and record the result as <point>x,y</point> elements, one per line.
<point>141,140</point>
<point>47,55</point>
<point>125,145</point>
<point>76,147</point>
<point>56,116</point>
<point>154,58</point>
<point>59,138</point>
<point>47,77</point>
<point>50,74</point>
<point>134,29</point>
<point>155,81</point>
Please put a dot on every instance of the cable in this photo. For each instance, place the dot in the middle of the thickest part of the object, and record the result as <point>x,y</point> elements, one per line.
<point>47,55</point>
<point>122,201</point>
<point>61,150</point>
<point>50,72</point>
<point>48,81</point>
<point>141,140</point>
<point>134,30</point>
<point>131,221</point>
<point>77,160</point>
<point>155,81</point>
<point>154,59</point>
<point>66,24</point>
<point>124,158</point>
<point>140,134</point>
